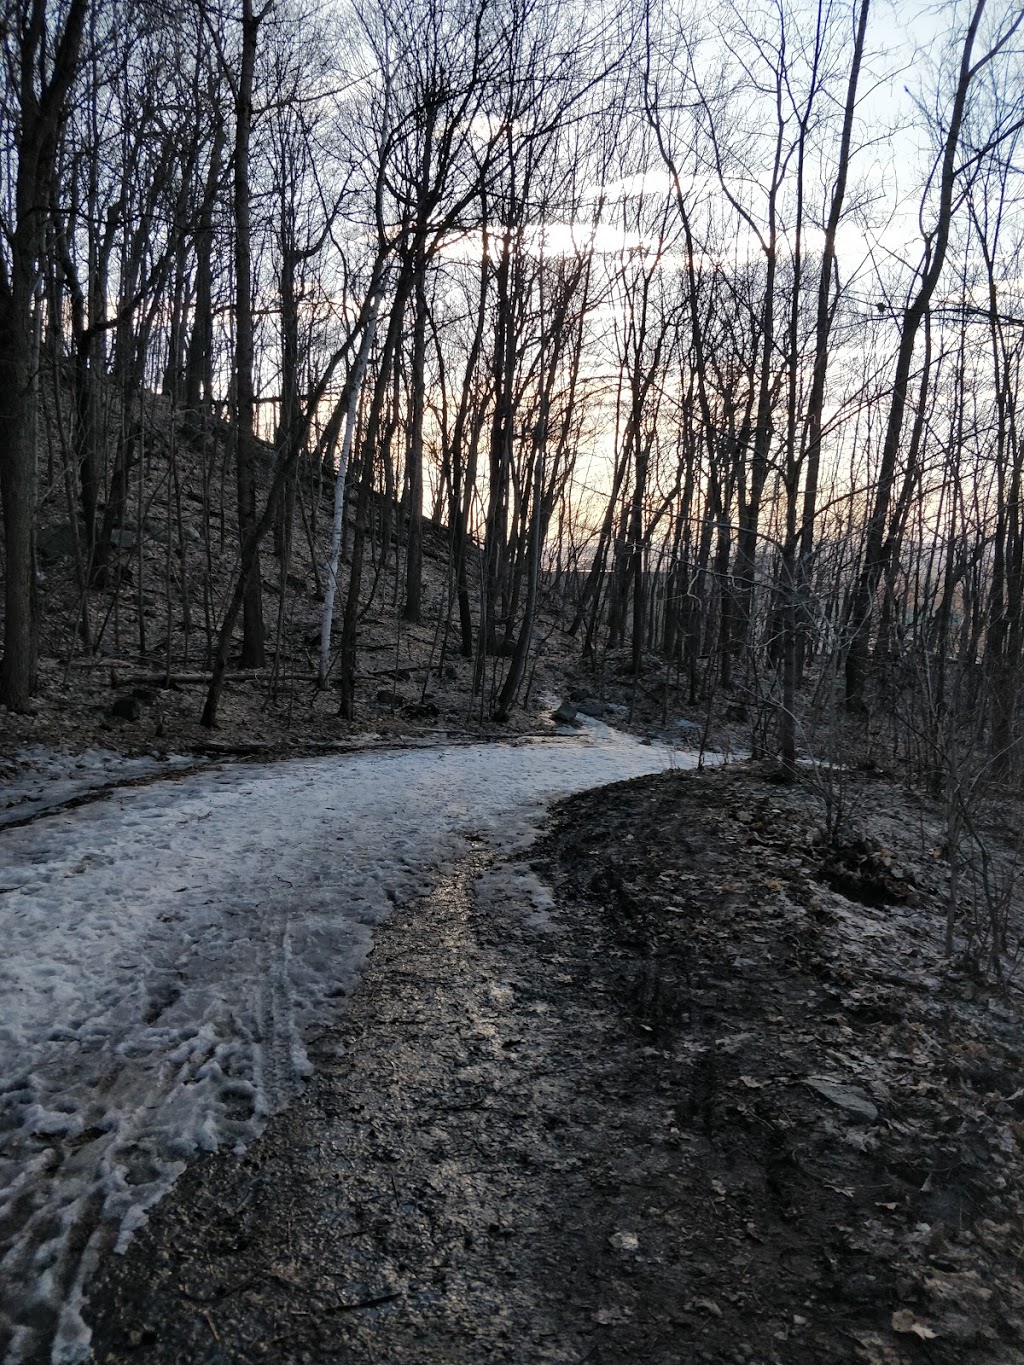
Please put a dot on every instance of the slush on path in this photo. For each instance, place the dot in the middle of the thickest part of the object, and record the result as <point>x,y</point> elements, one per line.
<point>167,950</point>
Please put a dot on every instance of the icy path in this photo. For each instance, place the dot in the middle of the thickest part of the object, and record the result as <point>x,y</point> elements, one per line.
<point>166,951</point>
<point>42,780</point>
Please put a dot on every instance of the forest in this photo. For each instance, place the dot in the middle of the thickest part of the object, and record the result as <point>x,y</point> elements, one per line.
<point>383,383</point>
<point>697,330</point>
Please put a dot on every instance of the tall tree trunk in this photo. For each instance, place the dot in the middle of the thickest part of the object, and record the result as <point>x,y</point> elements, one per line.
<point>351,404</point>
<point>822,332</point>
<point>350,621</point>
<point>18,487</point>
<point>520,655</point>
<point>199,358</point>
<point>874,564</point>
<point>413,609</point>
<point>496,522</point>
<point>42,111</point>
<point>245,396</point>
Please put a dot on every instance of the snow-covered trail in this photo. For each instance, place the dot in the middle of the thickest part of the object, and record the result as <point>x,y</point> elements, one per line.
<point>166,952</point>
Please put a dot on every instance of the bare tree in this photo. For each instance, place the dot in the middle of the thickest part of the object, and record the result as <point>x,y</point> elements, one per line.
<point>41,55</point>
<point>956,164</point>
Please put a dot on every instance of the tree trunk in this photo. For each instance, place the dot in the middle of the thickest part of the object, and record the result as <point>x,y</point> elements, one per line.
<point>341,476</point>
<point>42,111</point>
<point>350,621</point>
<point>413,609</point>
<point>199,358</point>
<point>874,564</point>
<point>245,397</point>
<point>822,332</point>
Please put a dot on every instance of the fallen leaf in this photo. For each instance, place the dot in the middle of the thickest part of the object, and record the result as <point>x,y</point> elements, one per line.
<point>903,1320</point>
<point>960,1288</point>
<point>608,1317</point>
<point>733,1043</point>
<point>875,1351</point>
<point>707,1306</point>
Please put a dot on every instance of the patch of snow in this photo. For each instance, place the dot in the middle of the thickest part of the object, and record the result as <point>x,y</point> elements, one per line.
<point>37,779</point>
<point>167,950</point>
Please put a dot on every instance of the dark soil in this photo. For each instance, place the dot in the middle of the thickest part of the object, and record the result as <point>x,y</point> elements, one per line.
<point>709,1108</point>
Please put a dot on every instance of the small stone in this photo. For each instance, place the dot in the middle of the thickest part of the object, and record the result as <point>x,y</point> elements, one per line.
<point>127,708</point>
<point>850,1098</point>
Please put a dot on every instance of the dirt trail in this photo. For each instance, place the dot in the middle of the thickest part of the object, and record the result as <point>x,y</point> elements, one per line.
<point>436,1196</point>
<point>701,1108</point>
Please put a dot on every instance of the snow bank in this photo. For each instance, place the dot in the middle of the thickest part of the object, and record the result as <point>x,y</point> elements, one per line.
<point>167,950</point>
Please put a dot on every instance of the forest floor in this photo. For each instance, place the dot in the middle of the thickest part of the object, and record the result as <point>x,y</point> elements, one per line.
<point>134,681</point>
<point>413,686</point>
<point>722,1100</point>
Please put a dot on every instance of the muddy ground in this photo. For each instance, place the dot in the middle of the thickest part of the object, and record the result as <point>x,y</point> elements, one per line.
<point>723,1100</point>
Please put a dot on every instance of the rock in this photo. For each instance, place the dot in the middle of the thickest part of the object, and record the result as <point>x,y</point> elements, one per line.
<point>851,1098</point>
<point>127,708</point>
<point>591,706</point>
<point>450,673</point>
<point>689,727</point>
<point>566,714</point>
<point>420,710</point>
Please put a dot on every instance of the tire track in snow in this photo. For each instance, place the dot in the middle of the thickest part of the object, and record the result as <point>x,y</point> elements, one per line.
<point>280,1061</point>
